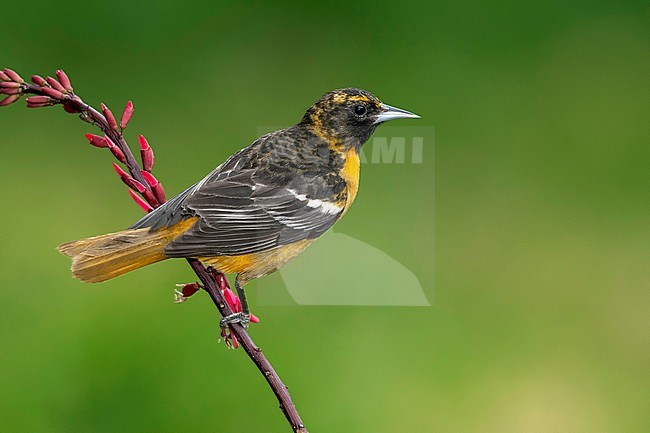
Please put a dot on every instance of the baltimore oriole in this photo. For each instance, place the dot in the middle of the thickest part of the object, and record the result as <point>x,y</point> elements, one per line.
<point>260,208</point>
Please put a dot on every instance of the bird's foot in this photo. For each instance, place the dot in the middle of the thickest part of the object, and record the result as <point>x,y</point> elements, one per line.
<point>242,318</point>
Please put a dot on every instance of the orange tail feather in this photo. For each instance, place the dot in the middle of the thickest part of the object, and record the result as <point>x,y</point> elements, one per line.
<point>101,258</point>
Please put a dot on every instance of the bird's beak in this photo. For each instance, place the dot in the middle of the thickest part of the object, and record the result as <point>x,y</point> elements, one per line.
<point>390,113</point>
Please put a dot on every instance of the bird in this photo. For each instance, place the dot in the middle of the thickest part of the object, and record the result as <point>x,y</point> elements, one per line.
<point>260,208</point>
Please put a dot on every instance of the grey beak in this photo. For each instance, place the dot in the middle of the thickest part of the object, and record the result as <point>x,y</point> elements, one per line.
<point>390,113</point>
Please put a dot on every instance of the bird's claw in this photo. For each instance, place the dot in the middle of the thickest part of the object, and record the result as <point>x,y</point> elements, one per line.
<point>242,318</point>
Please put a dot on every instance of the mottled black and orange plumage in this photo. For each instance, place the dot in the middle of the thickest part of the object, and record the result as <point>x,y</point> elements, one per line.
<point>260,208</point>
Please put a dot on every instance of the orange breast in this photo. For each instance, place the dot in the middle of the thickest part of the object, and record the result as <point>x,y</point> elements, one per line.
<point>350,173</point>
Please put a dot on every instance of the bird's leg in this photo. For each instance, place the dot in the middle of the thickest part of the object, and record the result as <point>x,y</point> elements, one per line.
<point>242,297</point>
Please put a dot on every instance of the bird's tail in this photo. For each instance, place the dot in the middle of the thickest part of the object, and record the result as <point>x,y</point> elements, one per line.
<point>101,258</point>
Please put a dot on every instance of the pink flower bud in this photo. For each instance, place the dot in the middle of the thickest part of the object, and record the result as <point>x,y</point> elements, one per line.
<point>9,85</point>
<point>146,153</point>
<point>64,80</point>
<point>38,101</point>
<point>4,77</point>
<point>95,140</point>
<point>17,91</point>
<point>140,202</point>
<point>13,76</point>
<point>40,81</point>
<point>53,93</point>
<point>108,114</point>
<point>116,151</point>
<point>126,115</point>
<point>55,84</point>
<point>9,100</point>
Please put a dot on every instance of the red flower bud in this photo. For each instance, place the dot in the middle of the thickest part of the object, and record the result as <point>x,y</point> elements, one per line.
<point>4,77</point>
<point>146,153</point>
<point>232,300</point>
<point>159,193</point>
<point>38,80</point>
<point>235,303</point>
<point>151,180</point>
<point>126,115</point>
<point>116,151</point>
<point>140,202</point>
<point>190,289</point>
<point>151,199</point>
<point>128,180</point>
<point>135,185</point>
<point>108,114</point>
<point>64,80</point>
<point>9,84</point>
<point>55,84</point>
<point>95,140</point>
<point>13,76</point>
<point>120,172</point>
<point>219,278</point>
<point>186,291</point>
<point>53,93</point>
<point>69,109</point>
<point>9,100</point>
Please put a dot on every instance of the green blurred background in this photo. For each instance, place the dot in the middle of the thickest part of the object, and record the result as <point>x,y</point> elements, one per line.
<point>540,316</point>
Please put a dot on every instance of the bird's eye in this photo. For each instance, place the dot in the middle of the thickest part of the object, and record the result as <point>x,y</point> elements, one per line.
<point>359,110</point>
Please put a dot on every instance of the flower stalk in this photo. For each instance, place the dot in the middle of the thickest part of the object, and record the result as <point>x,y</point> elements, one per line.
<point>148,193</point>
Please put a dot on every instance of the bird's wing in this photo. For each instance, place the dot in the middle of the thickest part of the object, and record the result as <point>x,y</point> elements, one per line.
<point>239,215</point>
<point>252,202</point>
<point>175,209</point>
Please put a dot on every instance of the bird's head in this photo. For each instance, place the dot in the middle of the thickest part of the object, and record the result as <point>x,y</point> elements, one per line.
<point>349,116</point>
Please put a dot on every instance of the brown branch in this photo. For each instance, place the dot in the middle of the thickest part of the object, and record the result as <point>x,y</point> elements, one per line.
<point>254,352</point>
<point>53,91</point>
